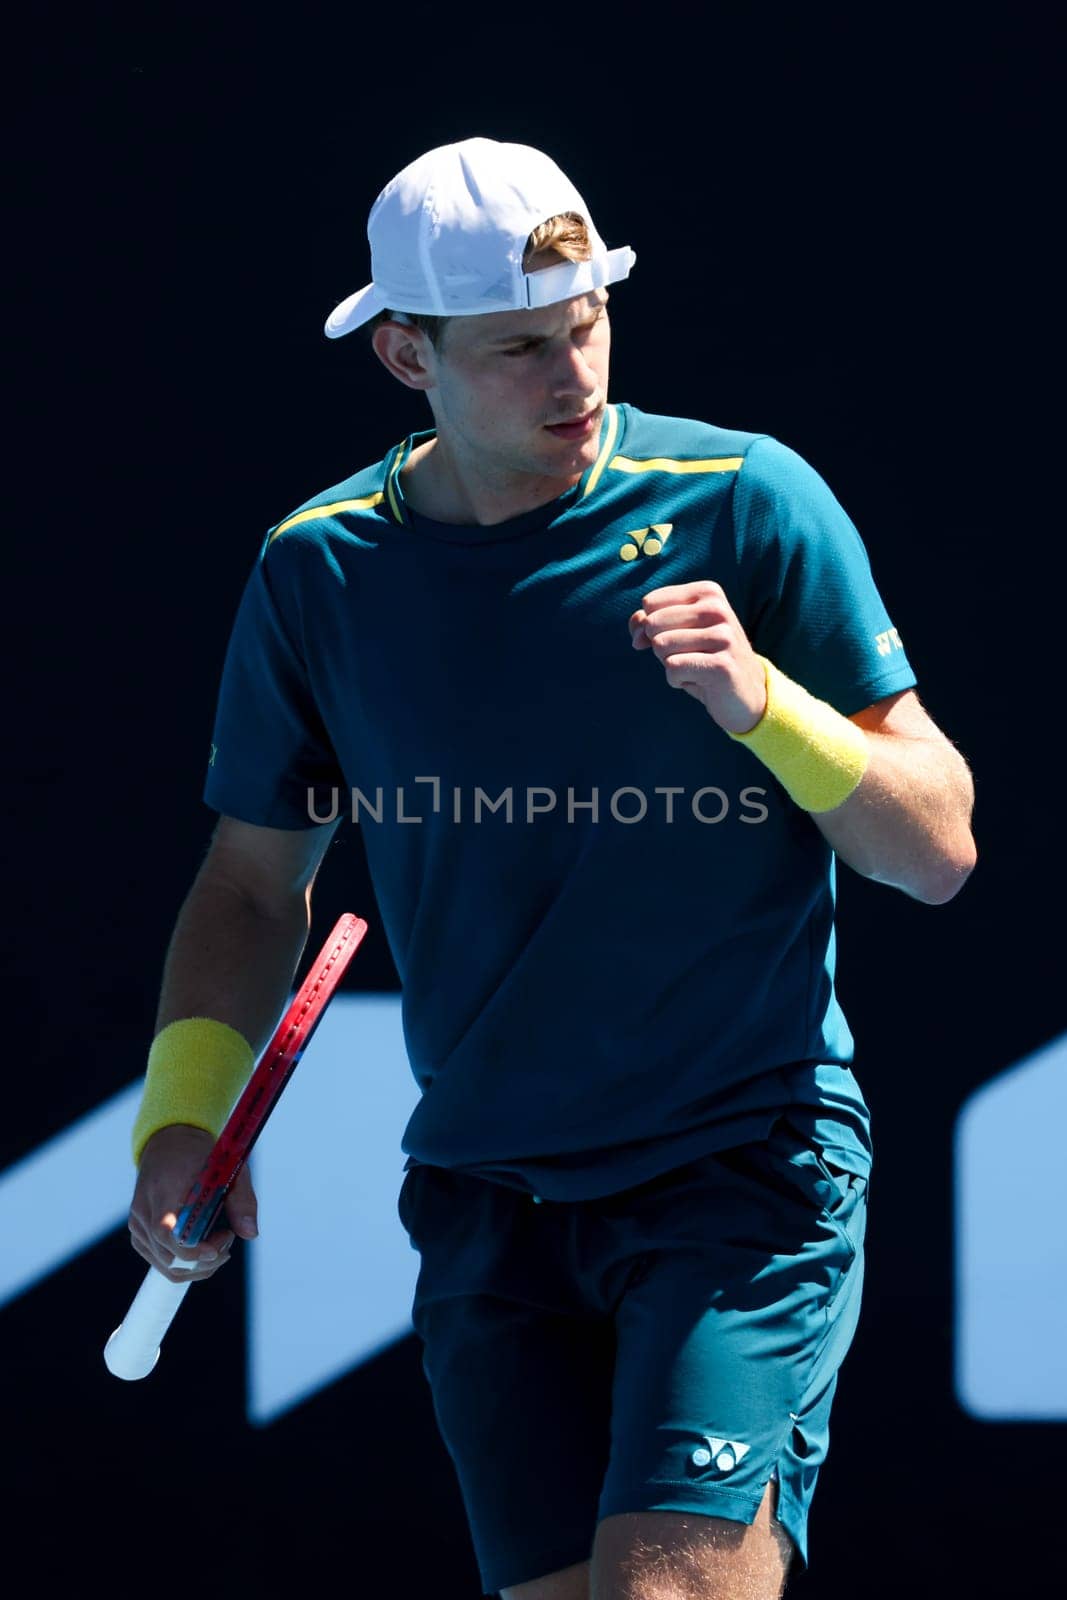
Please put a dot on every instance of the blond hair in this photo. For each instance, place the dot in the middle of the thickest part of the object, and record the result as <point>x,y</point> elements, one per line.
<point>566,235</point>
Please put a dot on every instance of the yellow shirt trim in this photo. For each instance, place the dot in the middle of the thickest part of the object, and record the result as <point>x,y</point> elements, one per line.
<point>666,464</point>
<point>610,435</point>
<point>390,482</point>
<point>328,511</point>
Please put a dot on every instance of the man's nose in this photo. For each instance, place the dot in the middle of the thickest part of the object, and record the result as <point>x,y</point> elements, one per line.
<point>575,374</point>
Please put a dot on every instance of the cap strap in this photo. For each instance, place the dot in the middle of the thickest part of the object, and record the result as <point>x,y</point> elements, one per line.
<point>571,278</point>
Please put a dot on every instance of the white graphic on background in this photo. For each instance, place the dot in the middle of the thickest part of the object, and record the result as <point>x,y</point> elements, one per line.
<point>68,1194</point>
<point>332,1274</point>
<point>1011,1243</point>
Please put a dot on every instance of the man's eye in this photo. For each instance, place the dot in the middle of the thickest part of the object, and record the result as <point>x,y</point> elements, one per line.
<point>534,344</point>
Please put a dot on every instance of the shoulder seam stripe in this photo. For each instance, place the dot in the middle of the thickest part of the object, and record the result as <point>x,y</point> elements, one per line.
<point>667,464</point>
<point>327,511</point>
<point>391,483</point>
<point>598,466</point>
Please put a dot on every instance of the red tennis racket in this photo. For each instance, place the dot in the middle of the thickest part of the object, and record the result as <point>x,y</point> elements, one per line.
<point>133,1349</point>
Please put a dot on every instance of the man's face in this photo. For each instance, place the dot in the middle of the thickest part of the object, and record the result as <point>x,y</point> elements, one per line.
<point>502,380</point>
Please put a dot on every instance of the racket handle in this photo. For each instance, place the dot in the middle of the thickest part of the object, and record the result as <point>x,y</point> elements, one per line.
<point>133,1349</point>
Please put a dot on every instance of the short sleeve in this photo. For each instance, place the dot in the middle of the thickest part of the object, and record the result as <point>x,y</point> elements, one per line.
<point>811,603</point>
<point>271,761</point>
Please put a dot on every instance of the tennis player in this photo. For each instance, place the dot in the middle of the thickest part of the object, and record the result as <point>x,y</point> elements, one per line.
<point>608,693</point>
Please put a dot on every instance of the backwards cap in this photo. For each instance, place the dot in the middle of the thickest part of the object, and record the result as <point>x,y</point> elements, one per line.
<point>448,234</point>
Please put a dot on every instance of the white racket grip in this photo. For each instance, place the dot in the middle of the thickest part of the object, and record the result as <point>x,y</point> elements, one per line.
<point>133,1349</point>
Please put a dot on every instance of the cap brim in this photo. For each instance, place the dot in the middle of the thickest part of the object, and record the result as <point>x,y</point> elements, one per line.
<point>355,311</point>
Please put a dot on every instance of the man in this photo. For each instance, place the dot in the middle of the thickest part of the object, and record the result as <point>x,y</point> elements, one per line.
<point>637,1173</point>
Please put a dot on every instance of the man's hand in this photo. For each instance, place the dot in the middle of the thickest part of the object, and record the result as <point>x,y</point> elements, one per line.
<point>170,1161</point>
<point>704,650</point>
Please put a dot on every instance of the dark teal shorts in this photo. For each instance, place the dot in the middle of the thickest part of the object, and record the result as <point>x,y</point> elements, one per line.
<point>671,1347</point>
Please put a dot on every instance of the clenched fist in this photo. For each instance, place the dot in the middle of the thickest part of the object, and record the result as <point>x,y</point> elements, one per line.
<point>704,650</point>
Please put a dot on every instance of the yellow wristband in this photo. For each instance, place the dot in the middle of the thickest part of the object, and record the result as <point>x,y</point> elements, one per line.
<point>196,1069</point>
<point>817,755</point>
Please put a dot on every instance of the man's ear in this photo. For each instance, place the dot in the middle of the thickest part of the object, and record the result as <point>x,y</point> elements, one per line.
<point>407,353</point>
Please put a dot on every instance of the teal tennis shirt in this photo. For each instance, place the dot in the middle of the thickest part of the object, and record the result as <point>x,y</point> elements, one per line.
<point>613,929</point>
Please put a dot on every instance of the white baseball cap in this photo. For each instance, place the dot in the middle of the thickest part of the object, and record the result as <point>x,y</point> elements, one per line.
<point>447,237</point>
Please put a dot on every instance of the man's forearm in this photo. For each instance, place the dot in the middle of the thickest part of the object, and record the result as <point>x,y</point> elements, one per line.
<point>229,961</point>
<point>907,823</point>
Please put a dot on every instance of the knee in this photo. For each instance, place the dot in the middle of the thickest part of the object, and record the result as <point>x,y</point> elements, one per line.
<point>671,1555</point>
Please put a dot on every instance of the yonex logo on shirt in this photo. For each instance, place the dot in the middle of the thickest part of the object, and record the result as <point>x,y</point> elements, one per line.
<point>648,540</point>
<point>723,1454</point>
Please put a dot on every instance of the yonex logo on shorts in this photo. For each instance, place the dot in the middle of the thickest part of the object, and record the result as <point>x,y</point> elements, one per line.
<point>723,1454</point>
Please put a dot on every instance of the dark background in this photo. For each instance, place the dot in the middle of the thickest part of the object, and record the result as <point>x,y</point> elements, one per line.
<point>844,231</point>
